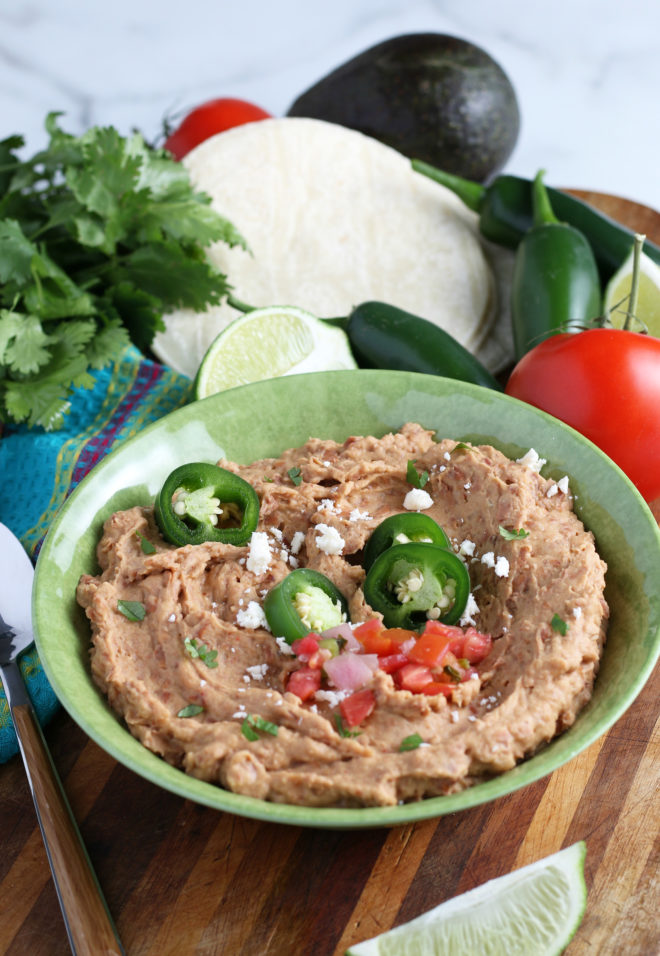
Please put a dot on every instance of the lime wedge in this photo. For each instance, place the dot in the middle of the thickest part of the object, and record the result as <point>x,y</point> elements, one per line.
<point>267,343</point>
<point>617,295</point>
<point>533,911</point>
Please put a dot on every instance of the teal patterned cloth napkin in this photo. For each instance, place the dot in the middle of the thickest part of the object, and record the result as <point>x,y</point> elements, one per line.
<point>38,471</point>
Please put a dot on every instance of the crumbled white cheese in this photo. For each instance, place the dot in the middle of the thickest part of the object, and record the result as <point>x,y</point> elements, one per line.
<point>562,484</point>
<point>276,533</point>
<point>257,671</point>
<point>417,500</point>
<point>577,612</point>
<point>357,515</point>
<point>488,559</point>
<point>327,504</point>
<point>202,683</point>
<point>297,541</point>
<point>293,561</point>
<point>329,540</point>
<point>447,456</point>
<point>172,617</point>
<point>471,608</point>
<point>252,617</point>
<point>259,557</point>
<point>467,547</point>
<point>332,697</point>
<point>502,567</point>
<point>532,460</point>
<point>467,485</point>
<point>453,716</point>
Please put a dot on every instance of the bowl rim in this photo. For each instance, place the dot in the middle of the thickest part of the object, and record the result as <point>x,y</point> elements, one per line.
<point>153,768</point>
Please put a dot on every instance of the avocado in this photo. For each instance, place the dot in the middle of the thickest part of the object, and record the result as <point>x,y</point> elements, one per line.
<point>430,96</point>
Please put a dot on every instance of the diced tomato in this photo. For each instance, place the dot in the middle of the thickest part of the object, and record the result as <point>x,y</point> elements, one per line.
<point>304,682</point>
<point>376,642</point>
<point>372,626</point>
<point>413,677</point>
<point>357,707</point>
<point>431,649</point>
<point>304,647</point>
<point>437,687</point>
<point>392,662</point>
<point>476,646</point>
<point>455,634</point>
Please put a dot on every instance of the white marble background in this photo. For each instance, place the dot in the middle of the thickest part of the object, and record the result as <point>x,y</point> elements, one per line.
<point>587,72</point>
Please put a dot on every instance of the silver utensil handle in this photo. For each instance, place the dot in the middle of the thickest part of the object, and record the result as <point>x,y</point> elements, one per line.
<point>88,923</point>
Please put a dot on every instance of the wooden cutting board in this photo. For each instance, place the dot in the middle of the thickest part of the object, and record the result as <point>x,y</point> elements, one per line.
<point>183,879</point>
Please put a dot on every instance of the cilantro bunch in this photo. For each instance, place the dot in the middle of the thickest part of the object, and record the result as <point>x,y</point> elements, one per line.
<point>100,235</point>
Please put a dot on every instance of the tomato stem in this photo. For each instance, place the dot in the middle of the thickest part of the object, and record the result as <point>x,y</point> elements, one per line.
<point>634,287</point>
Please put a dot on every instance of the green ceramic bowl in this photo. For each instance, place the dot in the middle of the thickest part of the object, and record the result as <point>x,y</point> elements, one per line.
<point>262,420</point>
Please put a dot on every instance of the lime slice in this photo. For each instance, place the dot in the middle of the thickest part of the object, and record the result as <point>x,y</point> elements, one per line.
<point>267,343</point>
<point>533,911</point>
<point>617,295</point>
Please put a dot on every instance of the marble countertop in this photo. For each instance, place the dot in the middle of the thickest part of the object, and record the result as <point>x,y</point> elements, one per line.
<point>586,72</point>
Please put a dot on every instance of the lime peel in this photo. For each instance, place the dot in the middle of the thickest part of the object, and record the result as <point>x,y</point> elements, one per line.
<point>534,911</point>
<point>270,342</point>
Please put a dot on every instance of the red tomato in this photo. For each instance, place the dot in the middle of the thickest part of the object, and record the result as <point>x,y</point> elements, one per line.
<point>367,629</point>
<point>435,687</point>
<point>476,646</point>
<point>606,384</point>
<point>304,683</point>
<point>357,707</point>
<point>392,662</point>
<point>431,649</point>
<point>455,634</point>
<point>304,647</point>
<point>210,118</point>
<point>413,677</point>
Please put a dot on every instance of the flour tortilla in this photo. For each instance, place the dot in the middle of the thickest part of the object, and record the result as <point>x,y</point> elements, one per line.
<point>334,218</point>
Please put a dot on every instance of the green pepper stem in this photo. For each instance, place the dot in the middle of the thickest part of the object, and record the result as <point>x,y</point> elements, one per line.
<point>543,212</point>
<point>471,193</point>
<point>238,304</point>
<point>634,287</point>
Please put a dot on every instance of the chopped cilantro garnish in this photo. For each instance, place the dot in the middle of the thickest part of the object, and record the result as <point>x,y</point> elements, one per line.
<point>192,710</point>
<point>558,624</point>
<point>267,478</point>
<point>133,610</point>
<point>459,446</point>
<point>414,477</point>
<point>410,743</point>
<point>295,475</point>
<point>342,730</point>
<point>254,723</point>
<point>145,544</point>
<point>514,534</point>
<point>202,651</point>
<point>100,236</point>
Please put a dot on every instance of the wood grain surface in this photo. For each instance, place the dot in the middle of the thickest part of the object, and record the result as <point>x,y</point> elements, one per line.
<point>182,879</point>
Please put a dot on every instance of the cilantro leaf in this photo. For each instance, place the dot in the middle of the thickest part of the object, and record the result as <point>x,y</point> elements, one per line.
<point>514,534</point>
<point>132,610</point>
<point>558,624</point>
<point>100,236</point>
<point>414,477</point>
<point>145,544</point>
<point>410,743</point>
<point>201,651</point>
<point>191,710</point>
<point>342,730</point>
<point>295,474</point>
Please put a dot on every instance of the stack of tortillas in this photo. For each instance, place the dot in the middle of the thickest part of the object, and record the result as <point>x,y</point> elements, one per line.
<point>333,218</point>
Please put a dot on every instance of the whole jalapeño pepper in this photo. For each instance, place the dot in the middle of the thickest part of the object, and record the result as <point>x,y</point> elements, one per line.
<point>402,529</point>
<point>555,285</point>
<point>410,584</point>
<point>304,601</point>
<point>505,209</point>
<point>202,502</point>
